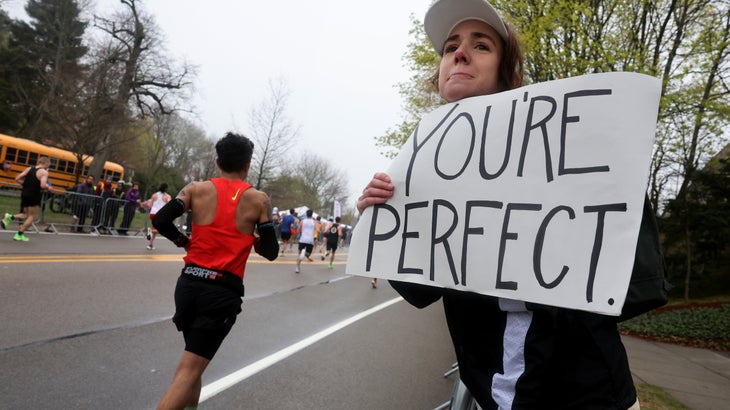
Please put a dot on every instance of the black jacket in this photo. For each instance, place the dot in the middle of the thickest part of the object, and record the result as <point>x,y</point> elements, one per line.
<point>572,359</point>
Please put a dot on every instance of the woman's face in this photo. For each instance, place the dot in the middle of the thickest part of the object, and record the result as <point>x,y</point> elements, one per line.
<point>470,62</point>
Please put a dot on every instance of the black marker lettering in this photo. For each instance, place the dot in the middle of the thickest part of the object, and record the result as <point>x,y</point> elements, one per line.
<point>407,235</point>
<point>417,147</point>
<point>437,203</point>
<point>468,230</point>
<point>539,240</point>
<point>598,241</point>
<point>542,125</point>
<point>562,170</point>
<point>380,237</point>
<point>510,236</point>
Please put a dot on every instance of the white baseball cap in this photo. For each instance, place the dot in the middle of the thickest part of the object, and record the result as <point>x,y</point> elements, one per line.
<point>444,15</point>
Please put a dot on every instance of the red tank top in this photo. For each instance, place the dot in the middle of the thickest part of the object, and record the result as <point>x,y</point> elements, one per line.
<point>220,246</point>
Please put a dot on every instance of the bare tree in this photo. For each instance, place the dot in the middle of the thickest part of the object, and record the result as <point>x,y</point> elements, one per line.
<point>204,167</point>
<point>320,177</point>
<point>180,140</point>
<point>149,84</point>
<point>82,121</point>
<point>272,132</point>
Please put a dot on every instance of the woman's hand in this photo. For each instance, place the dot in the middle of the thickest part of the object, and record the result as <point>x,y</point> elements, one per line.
<point>378,191</point>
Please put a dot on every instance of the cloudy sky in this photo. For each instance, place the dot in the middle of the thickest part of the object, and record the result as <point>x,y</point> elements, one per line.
<point>340,59</point>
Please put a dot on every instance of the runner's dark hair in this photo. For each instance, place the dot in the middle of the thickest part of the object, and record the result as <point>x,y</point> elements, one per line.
<point>234,152</point>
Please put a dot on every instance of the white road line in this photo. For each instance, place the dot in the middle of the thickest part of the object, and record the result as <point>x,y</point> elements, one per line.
<point>238,376</point>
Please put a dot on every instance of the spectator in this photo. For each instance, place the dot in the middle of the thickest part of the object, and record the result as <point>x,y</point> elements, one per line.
<point>131,203</point>
<point>511,354</point>
<point>103,191</point>
<point>113,203</point>
<point>85,199</point>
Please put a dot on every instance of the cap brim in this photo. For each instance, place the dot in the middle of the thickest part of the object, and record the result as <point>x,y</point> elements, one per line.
<point>444,15</point>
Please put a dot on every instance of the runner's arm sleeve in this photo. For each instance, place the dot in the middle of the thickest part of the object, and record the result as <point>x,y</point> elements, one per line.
<point>266,244</point>
<point>163,222</point>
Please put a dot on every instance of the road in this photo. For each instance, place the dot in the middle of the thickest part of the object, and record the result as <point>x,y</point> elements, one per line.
<point>86,325</point>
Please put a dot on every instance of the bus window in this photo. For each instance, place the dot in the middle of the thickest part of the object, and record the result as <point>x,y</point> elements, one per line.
<point>54,164</point>
<point>61,165</point>
<point>22,157</point>
<point>10,155</point>
<point>71,167</point>
<point>33,158</point>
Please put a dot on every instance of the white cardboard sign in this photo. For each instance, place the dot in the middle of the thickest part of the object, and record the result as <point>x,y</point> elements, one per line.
<point>532,194</point>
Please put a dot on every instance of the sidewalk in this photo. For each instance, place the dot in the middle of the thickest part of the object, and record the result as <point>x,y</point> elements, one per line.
<point>698,378</point>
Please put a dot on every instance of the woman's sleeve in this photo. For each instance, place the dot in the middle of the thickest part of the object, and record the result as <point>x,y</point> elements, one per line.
<point>417,294</point>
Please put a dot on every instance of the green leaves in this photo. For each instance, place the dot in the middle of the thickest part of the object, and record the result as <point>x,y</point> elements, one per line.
<point>705,326</point>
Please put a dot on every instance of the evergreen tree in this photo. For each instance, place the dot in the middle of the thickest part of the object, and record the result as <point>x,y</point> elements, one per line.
<point>59,32</point>
<point>58,49</point>
<point>41,63</point>
<point>8,119</point>
<point>703,250</point>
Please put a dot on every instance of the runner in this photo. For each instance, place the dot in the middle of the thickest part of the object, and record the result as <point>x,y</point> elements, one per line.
<point>333,234</point>
<point>226,213</point>
<point>34,180</point>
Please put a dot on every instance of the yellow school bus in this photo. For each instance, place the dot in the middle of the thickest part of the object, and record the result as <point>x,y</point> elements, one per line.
<point>17,154</point>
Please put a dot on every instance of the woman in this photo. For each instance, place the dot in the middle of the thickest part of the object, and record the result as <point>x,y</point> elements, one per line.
<point>511,354</point>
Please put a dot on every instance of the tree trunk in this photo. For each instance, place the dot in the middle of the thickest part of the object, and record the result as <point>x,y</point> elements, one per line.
<point>688,249</point>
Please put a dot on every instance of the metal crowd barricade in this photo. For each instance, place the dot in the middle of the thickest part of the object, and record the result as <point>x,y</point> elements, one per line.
<point>66,210</point>
<point>92,213</point>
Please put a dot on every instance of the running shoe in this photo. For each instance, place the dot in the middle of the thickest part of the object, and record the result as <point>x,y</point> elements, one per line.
<point>7,219</point>
<point>374,283</point>
<point>329,266</point>
<point>296,270</point>
<point>310,259</point>
<point>150,248</point>
<point>322,257</point>
<point>20,237</point>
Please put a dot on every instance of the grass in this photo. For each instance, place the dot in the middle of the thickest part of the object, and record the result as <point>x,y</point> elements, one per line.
<point>654,398</point>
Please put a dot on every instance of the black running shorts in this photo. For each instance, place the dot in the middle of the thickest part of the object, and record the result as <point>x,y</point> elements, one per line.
<point>27,201</point>
<point>205,313</point>
<point>309,247</point>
